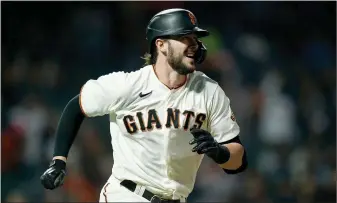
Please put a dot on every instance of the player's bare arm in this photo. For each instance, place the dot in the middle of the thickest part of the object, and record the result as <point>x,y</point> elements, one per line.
<point>236,151</point>
<point>63,158</point>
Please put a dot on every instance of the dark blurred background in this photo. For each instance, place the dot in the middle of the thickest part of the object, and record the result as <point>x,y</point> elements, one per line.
<point>275,60</point>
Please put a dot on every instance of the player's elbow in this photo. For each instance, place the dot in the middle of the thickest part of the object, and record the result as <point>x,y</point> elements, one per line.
<point>236,156</point>
<point>239,163</point>
<point>237,160</point>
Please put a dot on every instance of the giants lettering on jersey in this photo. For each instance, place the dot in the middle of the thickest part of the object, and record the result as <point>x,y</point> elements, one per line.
<point>172,120</point>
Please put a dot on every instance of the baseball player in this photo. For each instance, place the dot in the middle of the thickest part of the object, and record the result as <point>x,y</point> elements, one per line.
<point>164,118</point>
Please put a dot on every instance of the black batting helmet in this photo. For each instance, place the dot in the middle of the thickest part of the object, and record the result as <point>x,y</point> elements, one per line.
<point>176,22</point>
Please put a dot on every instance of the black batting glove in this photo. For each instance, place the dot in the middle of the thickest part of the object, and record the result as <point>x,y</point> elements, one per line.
<point>53,177</point>
<point>206,144</point>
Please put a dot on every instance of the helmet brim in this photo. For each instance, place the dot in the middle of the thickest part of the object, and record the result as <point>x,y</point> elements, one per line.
<point>200,32</point>
<point>196,30</point>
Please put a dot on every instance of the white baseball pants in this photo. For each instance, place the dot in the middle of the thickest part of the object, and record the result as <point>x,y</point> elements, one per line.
<point>112,191</point>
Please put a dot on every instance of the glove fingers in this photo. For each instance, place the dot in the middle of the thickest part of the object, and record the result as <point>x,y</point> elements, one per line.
<point>200,147</point>
<point>52,178</point>
<point>203,151</point>
<point>59,179</point>
<point>199,139</point>
<point>47,181</point>
<point>209,149</point>
<point>196,132</point>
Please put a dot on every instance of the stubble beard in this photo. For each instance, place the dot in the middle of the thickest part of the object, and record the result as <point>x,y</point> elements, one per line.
<point>176,62</point>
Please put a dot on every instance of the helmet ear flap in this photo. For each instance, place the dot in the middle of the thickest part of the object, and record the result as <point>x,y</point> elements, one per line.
<point>201,54</point>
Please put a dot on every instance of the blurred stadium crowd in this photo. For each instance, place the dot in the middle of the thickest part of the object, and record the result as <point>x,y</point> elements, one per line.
<point>275,60</point>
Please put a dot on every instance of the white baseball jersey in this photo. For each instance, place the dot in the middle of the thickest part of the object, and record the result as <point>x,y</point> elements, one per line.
<point>151,143</point>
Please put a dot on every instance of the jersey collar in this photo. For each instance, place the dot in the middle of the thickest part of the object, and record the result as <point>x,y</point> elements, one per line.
<point>181,86</point>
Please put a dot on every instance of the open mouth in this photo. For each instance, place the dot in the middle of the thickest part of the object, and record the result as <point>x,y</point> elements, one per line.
<point>190,56</point>
<point>190,53</point>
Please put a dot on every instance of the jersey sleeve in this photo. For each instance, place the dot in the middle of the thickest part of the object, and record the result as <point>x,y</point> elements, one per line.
<point>104,95</point>
<point>222,122</point>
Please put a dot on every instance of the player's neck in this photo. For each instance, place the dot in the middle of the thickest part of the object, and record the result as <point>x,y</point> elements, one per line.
<point>168,76</point>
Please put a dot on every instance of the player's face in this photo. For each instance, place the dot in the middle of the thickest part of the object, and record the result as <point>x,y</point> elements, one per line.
<point>180,53</point>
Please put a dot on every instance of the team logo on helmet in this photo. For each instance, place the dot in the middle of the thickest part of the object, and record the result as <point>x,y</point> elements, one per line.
<point>192,18</point>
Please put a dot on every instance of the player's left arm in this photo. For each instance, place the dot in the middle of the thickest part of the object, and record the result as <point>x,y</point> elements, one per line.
<point>230,155</point>
<point>237,161</point>
<point>221,140</point>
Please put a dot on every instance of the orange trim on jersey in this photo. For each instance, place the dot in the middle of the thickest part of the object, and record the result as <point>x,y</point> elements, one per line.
<point>106,198</point>
<point>180,85</point>
<point>80,102</point>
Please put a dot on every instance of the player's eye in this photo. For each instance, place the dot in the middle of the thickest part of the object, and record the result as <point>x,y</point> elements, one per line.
<point>188,40</point>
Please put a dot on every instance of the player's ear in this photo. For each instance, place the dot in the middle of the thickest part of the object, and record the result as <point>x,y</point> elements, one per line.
<point>161,45</point>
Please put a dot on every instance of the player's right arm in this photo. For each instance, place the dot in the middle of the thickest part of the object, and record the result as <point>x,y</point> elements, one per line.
<point>97,98</point>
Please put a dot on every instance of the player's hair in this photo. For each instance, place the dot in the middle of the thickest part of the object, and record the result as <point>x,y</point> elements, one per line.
<point>151,58</point>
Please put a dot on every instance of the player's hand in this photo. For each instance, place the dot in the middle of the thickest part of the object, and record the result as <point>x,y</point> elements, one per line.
<point>204,141</point>
<point>53,177</point>
<point>206,144</point>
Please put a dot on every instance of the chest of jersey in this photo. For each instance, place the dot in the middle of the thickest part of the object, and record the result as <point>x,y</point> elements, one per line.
<point>176,111</point>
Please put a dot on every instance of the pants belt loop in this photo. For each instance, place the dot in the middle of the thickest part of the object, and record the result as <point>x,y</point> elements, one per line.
<point>140,190</point>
